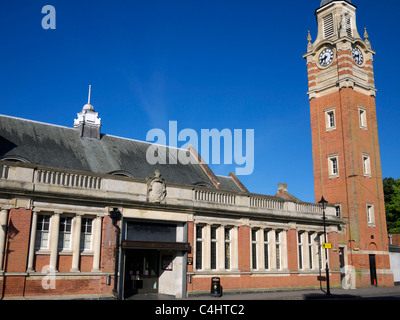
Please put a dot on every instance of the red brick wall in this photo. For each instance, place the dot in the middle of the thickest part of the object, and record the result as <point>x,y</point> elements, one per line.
<point>292,250</point>
<point>17,255</point>
<point>396,239</point>
<point>108,235</point>
<point>247,280</point>
<point>18,230</point>
<point>244,235</point>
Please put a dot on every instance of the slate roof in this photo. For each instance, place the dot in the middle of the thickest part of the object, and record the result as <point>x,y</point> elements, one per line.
<point>62,147</point>
<point>325,2</point>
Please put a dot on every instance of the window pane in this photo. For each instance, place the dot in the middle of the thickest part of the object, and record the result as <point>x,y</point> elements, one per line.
<point>86,234</point>
<point>254,255</point>
<point>266,235</point>
<point>278,250</point>
<point>300,245</point>
<point>213,232</point>
<point>199,232</point>
<point>227,255</point>
<point>199,255</point>
<point>266,256</point>
<point>213,255</point>
<point>227,234</point>
<point>64,239</point>
<point>331,119</point>
<point>253,235</point>
<point>278,257</point>
<point>42,232</point>
<point>199,247</point>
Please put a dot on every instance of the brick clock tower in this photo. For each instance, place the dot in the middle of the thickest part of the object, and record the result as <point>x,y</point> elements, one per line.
<point>346,157</point>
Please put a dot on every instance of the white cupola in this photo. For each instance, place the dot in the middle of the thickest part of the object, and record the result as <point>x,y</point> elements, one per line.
<point>88,122</point>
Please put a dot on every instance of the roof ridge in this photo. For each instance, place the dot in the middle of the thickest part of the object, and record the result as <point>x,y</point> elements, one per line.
<point>35,121</point>
<point>104,134</point>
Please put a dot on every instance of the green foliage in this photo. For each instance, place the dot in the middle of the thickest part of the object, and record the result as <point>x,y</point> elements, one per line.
<point>391,189</point>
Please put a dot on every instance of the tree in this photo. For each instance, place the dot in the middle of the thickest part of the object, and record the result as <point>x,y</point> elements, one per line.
<point>391,189</point>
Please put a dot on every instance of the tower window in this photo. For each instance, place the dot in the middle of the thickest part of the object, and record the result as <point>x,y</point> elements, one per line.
<point>366,159</point>
<point>370,215</point>
<point>348,25</point>
<point>333,166</point>
<point>362,113</point>
<point>330,119</point>
<point>338,211</point>
<point>328,26</point>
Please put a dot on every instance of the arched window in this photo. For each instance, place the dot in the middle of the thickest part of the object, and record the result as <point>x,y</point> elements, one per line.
<point>14,159</point>
<point>122,173</point>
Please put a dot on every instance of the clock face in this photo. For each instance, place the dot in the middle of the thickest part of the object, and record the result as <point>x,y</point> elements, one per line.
<point>358,56</point>
<point>326,57</point>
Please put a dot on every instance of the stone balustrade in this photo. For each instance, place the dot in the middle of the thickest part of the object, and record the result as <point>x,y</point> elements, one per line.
<point>29,178</point>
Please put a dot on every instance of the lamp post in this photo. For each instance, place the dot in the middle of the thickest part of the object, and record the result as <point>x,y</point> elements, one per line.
<point>323,204</point>
<point>115,216</point>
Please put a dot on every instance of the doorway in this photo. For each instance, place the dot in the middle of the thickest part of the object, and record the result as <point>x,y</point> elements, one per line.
<point>372,270</point>
<point>141,272</point>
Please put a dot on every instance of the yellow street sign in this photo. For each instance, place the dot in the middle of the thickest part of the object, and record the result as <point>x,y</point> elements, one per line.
<point>327,245</point>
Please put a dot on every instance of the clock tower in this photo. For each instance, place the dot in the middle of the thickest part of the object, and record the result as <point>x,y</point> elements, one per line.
<point>345,145</point>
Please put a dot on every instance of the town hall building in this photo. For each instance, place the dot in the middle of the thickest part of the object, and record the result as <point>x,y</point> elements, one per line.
<point>83,213</point>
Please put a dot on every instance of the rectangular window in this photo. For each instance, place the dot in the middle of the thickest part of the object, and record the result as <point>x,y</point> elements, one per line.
<point>199,247</point>
<point>370,215</point>
<point>300,245</point>
<point>338,211</point>
<point>310,251</point>
<point>333,166</point>
<point>227,248</point>
<point>362,113</point>
<point>254,248</point>
<point>330,119</point>
<point>366,164</point>
<point>86,234</point>
<point>42,232</point>
<point>278,249</point>
<point>214,248</point>
<point>64,239</point>
<point>266,249</point>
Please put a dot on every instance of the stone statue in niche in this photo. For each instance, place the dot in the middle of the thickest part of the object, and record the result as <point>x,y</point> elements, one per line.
<point>156,188</point>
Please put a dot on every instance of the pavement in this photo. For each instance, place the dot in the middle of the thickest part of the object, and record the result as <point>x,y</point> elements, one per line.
<point>372,293</point>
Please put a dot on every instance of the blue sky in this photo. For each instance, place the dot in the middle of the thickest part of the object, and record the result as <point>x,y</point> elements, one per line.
<point>206,64</point>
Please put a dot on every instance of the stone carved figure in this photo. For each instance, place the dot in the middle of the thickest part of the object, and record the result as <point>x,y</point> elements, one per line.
<point>156,188</point>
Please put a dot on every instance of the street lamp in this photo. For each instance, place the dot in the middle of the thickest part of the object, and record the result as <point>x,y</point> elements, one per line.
<point>323,204</point>
<point>115,216</point>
